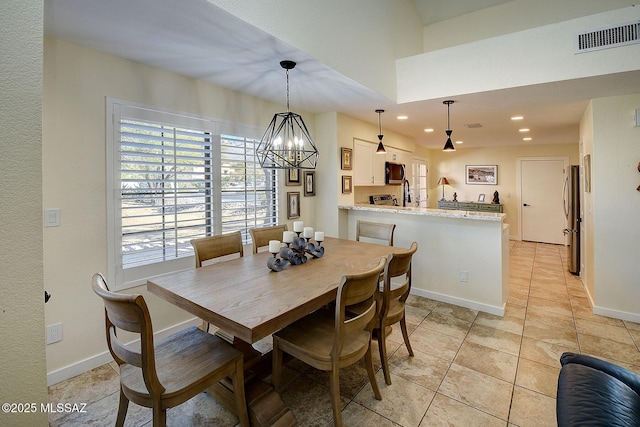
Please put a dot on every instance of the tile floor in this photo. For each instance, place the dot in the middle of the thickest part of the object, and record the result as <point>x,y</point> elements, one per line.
<point>470,368</point>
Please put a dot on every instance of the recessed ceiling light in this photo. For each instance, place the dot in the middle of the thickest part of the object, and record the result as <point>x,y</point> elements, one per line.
<point>527,138</point>
<point>523,130</point>
<point>428,130</point>
<point>403,117</point>
<point>517,118</point>
<point>459,142</point>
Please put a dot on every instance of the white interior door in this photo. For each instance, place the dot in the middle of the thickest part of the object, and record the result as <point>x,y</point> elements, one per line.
<point>542,215</point>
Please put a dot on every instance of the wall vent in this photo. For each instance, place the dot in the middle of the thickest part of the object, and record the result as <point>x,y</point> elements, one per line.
<point>604,38</point>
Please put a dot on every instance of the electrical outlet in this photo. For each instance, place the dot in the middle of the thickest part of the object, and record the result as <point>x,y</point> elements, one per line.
<point>464,276</point>
<point>54,333</point>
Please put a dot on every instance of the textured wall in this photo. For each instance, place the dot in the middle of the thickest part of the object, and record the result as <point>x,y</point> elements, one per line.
<point>22,352</point>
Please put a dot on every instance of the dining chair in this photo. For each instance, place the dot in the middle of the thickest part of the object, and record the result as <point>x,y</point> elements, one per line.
<point>261,236</point>
<point>392,298</point>
<point>329,340</point>
<point>208,248</point>
<point>167,373</point>
<point>375,230</point>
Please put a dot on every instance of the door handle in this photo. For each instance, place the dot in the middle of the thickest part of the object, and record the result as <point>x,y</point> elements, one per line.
<point>526,204</point>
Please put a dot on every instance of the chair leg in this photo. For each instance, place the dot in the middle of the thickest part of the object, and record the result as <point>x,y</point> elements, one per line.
<point>122,409</point>
<point>336,404</point>
<point>405,335</point>
<point>276,370</point>
<point>159,415</point>
<point>368,359</point>
<point>238,390</point>
<point>382,347</point>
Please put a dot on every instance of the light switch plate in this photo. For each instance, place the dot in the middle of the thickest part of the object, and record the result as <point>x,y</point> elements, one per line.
<point>52,217</point>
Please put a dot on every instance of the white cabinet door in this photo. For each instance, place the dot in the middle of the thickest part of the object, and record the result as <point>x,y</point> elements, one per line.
<point>368,166</point>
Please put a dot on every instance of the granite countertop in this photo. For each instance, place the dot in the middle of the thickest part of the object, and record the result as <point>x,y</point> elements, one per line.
<point>443,213</point>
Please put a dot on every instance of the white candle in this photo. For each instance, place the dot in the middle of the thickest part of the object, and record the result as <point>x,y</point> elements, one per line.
<point>274,246</point>
<point>298,226</point>
<point>307,233</point>
<point>319,236</point>
<point>287,236</point>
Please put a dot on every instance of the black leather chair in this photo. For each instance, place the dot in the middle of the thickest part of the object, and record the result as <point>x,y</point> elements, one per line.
<point>592,392</point>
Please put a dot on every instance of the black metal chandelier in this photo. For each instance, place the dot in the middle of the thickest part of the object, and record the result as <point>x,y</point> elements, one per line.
<point>448,146</point>
<point>287,144</point>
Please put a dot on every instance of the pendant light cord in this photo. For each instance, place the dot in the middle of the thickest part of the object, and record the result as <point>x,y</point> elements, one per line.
<point>288,90</point>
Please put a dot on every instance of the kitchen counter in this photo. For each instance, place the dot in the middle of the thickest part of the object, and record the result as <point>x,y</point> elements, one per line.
<point>462,257</point>
<point>443,213</point>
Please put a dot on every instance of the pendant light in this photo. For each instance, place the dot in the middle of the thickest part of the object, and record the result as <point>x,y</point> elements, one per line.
<point>380,149</point>
<point>287,144</point>
<point>448,146</point>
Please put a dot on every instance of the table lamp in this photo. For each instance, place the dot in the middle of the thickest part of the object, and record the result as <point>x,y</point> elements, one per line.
<point>443,181</point>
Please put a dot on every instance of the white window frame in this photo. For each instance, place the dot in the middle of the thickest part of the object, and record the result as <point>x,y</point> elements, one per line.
<point>124,278</point>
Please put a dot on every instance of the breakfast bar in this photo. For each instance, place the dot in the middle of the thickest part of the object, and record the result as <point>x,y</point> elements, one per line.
<point>463,257</point>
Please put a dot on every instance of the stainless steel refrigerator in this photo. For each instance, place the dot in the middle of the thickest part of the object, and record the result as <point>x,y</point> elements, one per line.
<point>571,199</point>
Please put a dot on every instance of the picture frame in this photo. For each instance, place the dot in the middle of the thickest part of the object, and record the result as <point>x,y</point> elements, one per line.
<point>346,158</point>
<point>309,183</point>
<point>293,205</point>
<point>292,177</point>
<point>481,174</point>
<point>347,186</point>
<point>481,198</point>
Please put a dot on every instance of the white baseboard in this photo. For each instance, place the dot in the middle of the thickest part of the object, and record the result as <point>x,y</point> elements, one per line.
<point>473,305</point>
<point>616,314</point>
<point>100,359</point>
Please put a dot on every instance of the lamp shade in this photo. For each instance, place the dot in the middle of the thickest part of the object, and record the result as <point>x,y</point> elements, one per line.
<point>443,181</point>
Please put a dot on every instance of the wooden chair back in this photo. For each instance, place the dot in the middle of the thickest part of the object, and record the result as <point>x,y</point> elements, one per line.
<point>261,236</point>
<point>129,313</point>
<point>356,290</point>
<point>216,246</point>
<point>398,264</point>
<point>375,230</point>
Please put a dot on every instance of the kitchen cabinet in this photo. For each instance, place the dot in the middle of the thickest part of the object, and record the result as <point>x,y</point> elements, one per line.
<point>469,206</point>
<point>368,166</point>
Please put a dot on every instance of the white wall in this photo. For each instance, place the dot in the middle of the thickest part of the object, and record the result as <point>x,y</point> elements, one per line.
<point>615,204</point>
<point>22,353</point>
<point>509,17</point>
<point>452,165</point>
<point>76,83</point>
<point>535,56</point>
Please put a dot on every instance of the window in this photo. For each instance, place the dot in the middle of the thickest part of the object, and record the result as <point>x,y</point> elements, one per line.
<point>175,178</point>
<point>420,181</point>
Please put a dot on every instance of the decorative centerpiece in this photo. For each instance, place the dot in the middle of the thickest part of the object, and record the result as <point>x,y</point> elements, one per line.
<point>297,248</point>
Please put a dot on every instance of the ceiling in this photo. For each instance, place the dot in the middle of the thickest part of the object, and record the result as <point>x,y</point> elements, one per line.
<point>201,41</point>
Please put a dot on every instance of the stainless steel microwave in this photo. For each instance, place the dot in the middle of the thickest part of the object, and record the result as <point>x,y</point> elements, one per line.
<point>394,173</point>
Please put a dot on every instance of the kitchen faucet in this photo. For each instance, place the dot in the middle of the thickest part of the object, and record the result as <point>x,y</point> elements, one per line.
<point>406,192</point>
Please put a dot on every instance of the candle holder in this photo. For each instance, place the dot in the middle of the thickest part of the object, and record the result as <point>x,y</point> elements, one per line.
<point>295,253</point>
<point>275,263</point>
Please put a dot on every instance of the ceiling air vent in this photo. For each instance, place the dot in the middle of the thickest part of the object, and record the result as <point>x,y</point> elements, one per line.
<point>603,38</point>
<point>473,125</point>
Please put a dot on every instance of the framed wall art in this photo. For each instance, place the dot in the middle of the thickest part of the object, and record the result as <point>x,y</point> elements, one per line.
<point>346,184</point>
<point>346,158</point>
<point>293,205</point>
<point>481,174</point>
<point>310,183</point>
<point>292,176</point>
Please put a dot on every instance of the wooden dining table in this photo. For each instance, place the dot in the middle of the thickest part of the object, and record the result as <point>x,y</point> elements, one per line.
<point>246,299</point>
